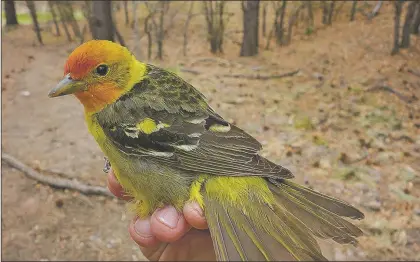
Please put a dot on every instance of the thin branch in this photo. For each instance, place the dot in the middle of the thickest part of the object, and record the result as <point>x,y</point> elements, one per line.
<point>192,71</point>
<point>119,36</point>
<point>416,73</point>
<point>392,91</point>
<point>148,32</point>
<point>61,183</point>
<point>375,10</point>
<point>186,25</point>
<point>63,19</point>
<point>210,59</point>
<point>261,77</point>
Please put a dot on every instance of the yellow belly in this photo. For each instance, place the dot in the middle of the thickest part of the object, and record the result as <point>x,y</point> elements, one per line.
<point>150,185</point>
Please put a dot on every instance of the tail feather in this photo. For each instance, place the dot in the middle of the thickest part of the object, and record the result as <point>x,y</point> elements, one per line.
<point>336,206</point>
<point>319,220</point>
<point>242,236</point>
<point>231,243</point>
<point>274,221</point>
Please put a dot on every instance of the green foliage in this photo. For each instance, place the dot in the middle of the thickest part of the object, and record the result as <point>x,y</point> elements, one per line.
<point>43,17</point>
<point>346,173</point>
<point>303,122</point>
<point>25,19</point>
<point>309,30</point>
<point>355,88</point>
<point>320,141</point>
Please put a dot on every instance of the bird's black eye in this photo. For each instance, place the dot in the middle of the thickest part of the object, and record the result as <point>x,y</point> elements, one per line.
<point>102,70</point>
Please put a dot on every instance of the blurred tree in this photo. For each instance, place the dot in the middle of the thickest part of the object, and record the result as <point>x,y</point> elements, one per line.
<point>32,11</point>
<point>310,14</point>
<point>214,12</point>
<point>279,21</point>
<point>375,10</point>
<point>186,25</point>
<point>292,21</point>
<point>407,28</point>
<point>158,23</point>
<point>134,11</point>
<point>136,31</point>
<point>324,12</point>
<point>69,17</point>
<point>54,16</point>
<point>10,10</point>
<point>398,8</point>
<point>127,19</point>
<point>416,20</point>
<point>63,19</point>
<point>160,33</point>
<point>353,10</point>
<point>148,32</point>
<point>264,18</point>
<point>87,13</point>
<point>330,12</point>
<point>338,9</point>
<point>251,11</point>
<point>102,25</point>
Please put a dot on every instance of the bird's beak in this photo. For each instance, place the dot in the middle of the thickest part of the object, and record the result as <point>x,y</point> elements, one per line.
<point>66,86</point>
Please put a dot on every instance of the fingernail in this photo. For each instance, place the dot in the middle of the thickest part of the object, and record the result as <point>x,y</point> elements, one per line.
<point>142,228</point>
<point>168,216</point>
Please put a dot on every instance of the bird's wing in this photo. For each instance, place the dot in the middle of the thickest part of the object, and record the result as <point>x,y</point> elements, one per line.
<point>173,125</point>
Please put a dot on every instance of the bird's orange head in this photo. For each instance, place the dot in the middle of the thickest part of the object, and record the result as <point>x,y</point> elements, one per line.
<point>98,72</point>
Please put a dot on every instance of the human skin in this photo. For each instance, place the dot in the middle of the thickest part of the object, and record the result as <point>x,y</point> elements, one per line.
<point>169,235</point>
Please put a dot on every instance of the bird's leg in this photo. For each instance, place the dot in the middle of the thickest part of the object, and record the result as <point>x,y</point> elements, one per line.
<point>107,165</point>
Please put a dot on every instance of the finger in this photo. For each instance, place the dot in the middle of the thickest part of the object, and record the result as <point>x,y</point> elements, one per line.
<point>141,232</point>
<point>194,215</point>
<point>115,187</point>
<point>168,225</point>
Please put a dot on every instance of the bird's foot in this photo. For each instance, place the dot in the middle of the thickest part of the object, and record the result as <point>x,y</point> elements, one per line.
<point>107,165</point>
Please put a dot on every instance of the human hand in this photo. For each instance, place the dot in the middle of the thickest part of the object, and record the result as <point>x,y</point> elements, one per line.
<point>169,235</point>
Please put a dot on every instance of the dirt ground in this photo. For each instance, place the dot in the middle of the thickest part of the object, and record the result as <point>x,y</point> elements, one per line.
<point>325,123</point>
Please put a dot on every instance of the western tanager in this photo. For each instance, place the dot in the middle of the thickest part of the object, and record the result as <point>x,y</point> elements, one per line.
<point>167,146</point>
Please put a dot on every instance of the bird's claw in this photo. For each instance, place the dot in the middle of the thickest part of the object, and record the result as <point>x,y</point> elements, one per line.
<point>107,165</point>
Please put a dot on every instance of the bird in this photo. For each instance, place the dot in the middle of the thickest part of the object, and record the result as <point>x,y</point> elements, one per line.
<point>168,146</point>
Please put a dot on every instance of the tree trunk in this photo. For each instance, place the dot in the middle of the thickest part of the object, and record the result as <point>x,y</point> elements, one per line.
<point>37,29</point>
<point>10,10</point>
<point>160,33</point>
<point>186,25</point>
<point>330,12</point>
<point>375,10</point>
<point>69,13</point>
<point>136,32</point>
<point>398,7</point>
<point>215,24</point>
<point>353,10</point>
<point>87,13</point>
<point>250,23</point>
<point>407,28</point>
<point>416,23</point>
<point>119,36</point>
<point>148,32</point>
<point>62,13</point>
<point>54,16</point>
<point>127,19</point>
<point>324,12</point>
<point>221,26</point>
<point>264,19</point>
<point>279,23</point>
<point>103,27</point>
<point>292,20</point>
<point>310,14</point>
